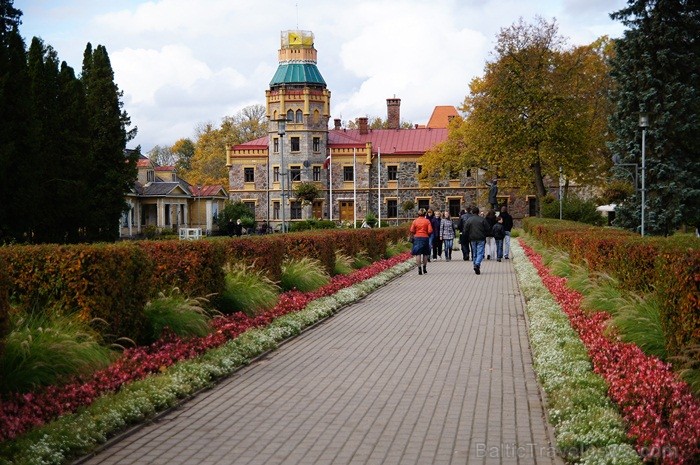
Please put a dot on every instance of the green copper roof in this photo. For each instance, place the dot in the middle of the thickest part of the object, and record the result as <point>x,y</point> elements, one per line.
<point>297,73</point>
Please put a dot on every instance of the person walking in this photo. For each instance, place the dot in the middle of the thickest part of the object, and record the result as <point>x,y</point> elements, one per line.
<point>463,239</point>
<point>507,227</point>
<point>435,222</point>
<point>498,234</point>
<point>476,229</point>
<point>447,234</point>
<point>490,249</point>
<point>238,227</point>
<point>430,215</point>
<point>421,229</point>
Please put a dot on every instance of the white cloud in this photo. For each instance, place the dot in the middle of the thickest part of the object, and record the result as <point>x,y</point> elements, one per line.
<point>180,63</point>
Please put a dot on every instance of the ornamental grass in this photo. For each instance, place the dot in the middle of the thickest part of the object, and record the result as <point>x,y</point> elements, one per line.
<point>246,290</point>
<point>343,263</point>
<point>173,311</point>
<point>43,348</point>
<point>303,274</point>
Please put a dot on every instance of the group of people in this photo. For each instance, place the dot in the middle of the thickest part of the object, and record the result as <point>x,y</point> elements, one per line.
<point>481,234</point>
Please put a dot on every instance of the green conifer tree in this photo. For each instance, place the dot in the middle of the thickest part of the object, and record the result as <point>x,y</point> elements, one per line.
<point>657,70</point>
<point>16,148</point>
<point>113,169</point>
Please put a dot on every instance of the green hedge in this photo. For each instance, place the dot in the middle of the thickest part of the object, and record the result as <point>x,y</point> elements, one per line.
<point>114,281</point>
<point>670,267</point>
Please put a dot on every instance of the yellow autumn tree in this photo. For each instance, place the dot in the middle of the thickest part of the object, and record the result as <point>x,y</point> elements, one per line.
<point>538,107</point>
<point>208,164</point>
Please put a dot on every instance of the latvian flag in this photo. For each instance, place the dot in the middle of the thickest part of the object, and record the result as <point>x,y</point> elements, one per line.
<point>327,163</point>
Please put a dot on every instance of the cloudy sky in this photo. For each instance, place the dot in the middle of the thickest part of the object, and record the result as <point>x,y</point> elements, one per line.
<point>181,63</point>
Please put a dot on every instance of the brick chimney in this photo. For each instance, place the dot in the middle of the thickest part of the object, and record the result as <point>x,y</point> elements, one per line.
<point>362,123</point>
<point>336,124</point>
<point>393,112</point>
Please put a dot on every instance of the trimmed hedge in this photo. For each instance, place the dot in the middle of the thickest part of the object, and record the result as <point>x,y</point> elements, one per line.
<point>114,281</point>
<point>670,267</point>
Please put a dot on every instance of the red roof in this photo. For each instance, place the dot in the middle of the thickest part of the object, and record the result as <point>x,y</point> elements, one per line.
<point>441,116</point>
<point>389,141</point>
<point>206,191</point>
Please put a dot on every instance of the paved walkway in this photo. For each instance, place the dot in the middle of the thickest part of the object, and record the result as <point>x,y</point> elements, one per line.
<point>432,369</point>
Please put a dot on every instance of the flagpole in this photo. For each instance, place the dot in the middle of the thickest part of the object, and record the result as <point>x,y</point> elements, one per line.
<point>330,184</point>
<point>354,187</point>
<point>379,187</point>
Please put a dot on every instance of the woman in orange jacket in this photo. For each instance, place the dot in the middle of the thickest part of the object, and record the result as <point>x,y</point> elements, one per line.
<point>421,230</point>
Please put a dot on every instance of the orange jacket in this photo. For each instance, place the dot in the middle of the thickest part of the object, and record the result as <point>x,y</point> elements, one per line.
<point>421,227</point>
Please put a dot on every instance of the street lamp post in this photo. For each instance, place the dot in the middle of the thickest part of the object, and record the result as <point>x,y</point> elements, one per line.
<point>281,130</point>
<point>644,124</point>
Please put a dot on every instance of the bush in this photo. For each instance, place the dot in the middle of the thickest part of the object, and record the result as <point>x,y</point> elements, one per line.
<point>44,348</point>
<point>307,225</point>
<point>573,209</point>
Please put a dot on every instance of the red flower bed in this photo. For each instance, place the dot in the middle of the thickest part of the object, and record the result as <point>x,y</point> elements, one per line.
<point>662,415</point>
<point>21,412</point>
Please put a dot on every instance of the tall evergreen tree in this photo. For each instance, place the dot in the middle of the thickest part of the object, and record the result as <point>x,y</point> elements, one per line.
<point>43,82</point>
<point>16,148</point>
<point>113,170</point>
<point>73,180</point>
<point>657,70</point>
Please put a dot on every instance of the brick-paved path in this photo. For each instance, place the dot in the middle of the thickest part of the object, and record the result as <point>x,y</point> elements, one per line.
<point>428,370</point>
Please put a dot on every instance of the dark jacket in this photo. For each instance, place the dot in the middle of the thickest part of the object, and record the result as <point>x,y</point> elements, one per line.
<point>507,221</point>
<point>476,228</point>
<point>435,223</point>
<point>491,220</point>
<point>498,231</point>
<point>460,226</point>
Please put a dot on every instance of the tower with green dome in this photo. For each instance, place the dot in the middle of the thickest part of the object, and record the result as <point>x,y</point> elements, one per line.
<point>298,94</point>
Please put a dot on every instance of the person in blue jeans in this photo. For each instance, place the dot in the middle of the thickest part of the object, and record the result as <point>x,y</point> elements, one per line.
<point>477,228</point>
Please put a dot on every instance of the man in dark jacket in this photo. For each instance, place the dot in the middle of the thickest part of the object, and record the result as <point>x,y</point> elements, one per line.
<point>507,227</point>
<point>463,239</point>
<point>476,228</point>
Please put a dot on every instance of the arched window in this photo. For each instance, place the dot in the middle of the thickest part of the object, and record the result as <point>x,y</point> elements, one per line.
<point>290,115</point>
<point>274,115</point>
<point>299,117</point>
<point>317,117</point>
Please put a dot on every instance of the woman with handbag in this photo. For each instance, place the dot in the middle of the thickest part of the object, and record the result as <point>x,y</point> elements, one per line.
<point>421,231</point>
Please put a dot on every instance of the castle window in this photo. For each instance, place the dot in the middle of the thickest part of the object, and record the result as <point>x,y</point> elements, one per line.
<point>295,210</point>
<point>317,173</point>
<point>249,174</point>
<point>295,144</point>
<point>317,117</point>
<point>317,144</point>
<point>276,174</point>
<point>348,174</point>
<point>276,145</point>
<point>392,208</point>
<point>290,115</point>
<point>150,176</point>
<point>392,172</point>
<point>300,117</point>
<point>295,173</point>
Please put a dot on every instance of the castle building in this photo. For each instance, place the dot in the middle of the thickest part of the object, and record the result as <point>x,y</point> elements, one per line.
<point>355,171</point>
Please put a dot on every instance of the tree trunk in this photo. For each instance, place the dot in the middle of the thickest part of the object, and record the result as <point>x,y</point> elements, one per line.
<point>539,185</point>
